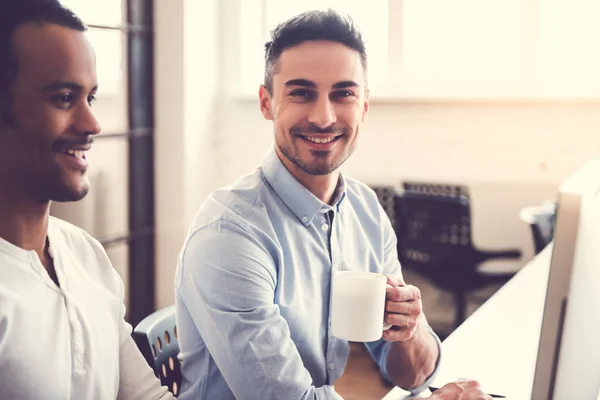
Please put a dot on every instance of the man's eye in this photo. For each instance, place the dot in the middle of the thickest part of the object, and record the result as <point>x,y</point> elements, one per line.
<point>64,98</point>
<point>306,94</point>
<point>91,99</point>
<point>343,93</point>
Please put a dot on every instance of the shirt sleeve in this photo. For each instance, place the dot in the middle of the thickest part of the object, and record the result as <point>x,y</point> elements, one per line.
<point>136,379</point>
<point>227,282</point>
<point>379,349</point>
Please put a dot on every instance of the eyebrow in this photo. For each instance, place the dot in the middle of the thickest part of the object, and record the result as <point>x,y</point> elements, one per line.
<point>311,84</point>
<point>59,85</point>
<point>301,82</point>
<point>345,84</point>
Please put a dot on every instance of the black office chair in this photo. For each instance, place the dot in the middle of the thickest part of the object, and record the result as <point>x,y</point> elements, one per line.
<point>156,337</point>
<point>386,196</point>
<point>433,225</point>
<point>541,220</point>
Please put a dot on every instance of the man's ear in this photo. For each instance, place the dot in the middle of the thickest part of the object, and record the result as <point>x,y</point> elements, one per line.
<point>265,102</point>
<point>365,110</point>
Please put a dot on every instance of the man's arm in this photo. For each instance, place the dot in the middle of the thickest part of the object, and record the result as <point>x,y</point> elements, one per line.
<point>227,283</point>
<point>409,363</point>
<point>409,352</point>
<point>136,379</point>
<point>413,356</point>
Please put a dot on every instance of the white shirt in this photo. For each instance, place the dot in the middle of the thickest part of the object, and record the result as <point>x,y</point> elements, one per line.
<point>67,342</point>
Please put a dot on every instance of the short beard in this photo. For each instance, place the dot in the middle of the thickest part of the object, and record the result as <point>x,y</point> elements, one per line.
<point>311,169</point>
<point>315,168</point>
<point>59,196</point>
<point>69,196</point>
<point>52,188</point>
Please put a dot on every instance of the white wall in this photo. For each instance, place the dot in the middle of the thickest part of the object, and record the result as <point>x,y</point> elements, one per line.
<point>186,79</point>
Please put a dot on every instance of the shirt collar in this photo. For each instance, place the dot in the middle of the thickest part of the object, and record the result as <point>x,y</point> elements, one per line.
<point>15,251</point>
<point>299,199</point>
<point>340,192</point>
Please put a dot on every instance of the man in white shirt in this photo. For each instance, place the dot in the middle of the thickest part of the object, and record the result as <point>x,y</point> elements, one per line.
<point>62,328</point>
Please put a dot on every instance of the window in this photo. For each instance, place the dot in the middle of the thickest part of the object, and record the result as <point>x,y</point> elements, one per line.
<point>456,49</point>
<point>109,44</point>
<point>464,42</point>
<point>568,59</point>
<point>105,12</point>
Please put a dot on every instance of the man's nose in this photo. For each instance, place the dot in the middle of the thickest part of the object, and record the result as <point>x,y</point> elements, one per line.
<point>86,122</point>
<point>322,113</point>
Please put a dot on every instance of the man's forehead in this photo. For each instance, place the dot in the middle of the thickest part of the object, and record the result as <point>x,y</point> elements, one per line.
<point>323,62</point>
<point>51,51</point>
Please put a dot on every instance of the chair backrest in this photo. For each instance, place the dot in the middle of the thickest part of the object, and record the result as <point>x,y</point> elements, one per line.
<point>436,189</point>
<point>156,337</point>
<point>433,224</point>
<point>387,197</point>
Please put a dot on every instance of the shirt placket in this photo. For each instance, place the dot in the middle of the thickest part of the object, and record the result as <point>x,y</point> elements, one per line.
<point>77,346</point>
<point>76,335</point>
<point>330,222</point>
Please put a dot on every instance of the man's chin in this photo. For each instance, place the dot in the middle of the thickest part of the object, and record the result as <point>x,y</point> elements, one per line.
<point>69,197</point>
<point>317,168</point>
<point>314,162</point>
<point>68,193</point>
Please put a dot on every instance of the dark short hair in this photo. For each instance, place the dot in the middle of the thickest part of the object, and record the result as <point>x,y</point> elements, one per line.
<point>13,14</point>
<point>312,25</point>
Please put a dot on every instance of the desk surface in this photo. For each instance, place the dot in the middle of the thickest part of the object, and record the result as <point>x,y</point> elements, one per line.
<point>498,344</point>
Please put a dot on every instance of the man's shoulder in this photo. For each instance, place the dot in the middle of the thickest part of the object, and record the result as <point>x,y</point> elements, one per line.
<point>239,203</point>
<point>364,201</point>
<point>233,217</point>
<point>356,189</point>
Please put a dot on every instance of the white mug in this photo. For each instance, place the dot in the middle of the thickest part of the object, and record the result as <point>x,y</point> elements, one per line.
<point>358,306</point>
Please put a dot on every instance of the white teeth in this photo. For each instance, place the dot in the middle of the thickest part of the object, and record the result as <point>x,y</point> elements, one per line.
<point>320,140</point>
<point>76,153</point>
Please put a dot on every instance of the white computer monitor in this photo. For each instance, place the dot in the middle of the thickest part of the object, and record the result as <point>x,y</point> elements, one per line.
<point>568,360</point>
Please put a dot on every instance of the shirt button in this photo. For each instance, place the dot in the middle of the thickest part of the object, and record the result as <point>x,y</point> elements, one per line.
<point>324,227</point>
<point>331,366</point>
<point>304,219</point>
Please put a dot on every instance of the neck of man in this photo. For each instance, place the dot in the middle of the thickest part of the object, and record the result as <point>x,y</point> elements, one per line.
<point>23,221</point>
<point>322,186</point>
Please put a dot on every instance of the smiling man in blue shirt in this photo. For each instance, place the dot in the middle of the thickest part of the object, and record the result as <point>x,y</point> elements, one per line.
<point>254,275</point>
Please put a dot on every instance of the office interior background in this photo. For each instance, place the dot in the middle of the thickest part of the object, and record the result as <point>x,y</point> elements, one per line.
<point>500,96</point>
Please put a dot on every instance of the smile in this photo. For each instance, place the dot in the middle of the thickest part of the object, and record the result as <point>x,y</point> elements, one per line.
<point>74,157</point>
<point>320,140</point>
<point>76,153</point>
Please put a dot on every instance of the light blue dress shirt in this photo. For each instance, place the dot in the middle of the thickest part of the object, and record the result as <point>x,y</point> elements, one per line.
<point>253,284</point>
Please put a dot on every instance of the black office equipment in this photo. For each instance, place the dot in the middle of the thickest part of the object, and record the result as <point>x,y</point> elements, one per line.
<point>433,225</point>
